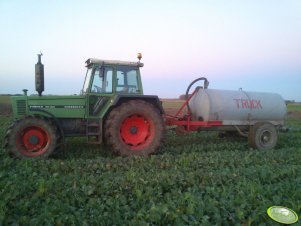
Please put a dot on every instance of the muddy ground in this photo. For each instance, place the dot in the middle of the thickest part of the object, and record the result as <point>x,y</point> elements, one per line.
<point>5,109</point>
<point>294,115</point>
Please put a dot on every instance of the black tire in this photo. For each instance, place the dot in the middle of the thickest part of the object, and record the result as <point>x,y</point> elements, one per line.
<point>134,128</point>
<point>263,136</point>
<point>31,137</point>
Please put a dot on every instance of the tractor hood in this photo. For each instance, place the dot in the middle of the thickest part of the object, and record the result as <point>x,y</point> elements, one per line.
<point>58,106</point>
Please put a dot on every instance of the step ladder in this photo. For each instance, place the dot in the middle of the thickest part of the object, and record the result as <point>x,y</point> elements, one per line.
<point>93,132</point>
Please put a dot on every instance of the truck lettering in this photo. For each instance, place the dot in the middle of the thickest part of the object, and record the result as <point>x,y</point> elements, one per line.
<point>252,105</point>
<point>248,104</point>
<point>258,104</point>
<point>244,104</point>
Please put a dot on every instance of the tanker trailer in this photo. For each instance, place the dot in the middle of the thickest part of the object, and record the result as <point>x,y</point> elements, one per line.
<point>256,115</point>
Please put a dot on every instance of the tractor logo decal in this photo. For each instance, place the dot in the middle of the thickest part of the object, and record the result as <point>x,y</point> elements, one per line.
<point>57,106</point>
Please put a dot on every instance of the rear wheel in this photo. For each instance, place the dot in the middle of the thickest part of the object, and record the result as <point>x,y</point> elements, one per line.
<point>263,136</point>
<point>134,128</point>
<point>31,137</point>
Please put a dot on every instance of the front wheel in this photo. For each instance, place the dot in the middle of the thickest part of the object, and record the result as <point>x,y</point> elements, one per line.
<point>134,128</point>
<point>263,136</point>
<point>31,137</point>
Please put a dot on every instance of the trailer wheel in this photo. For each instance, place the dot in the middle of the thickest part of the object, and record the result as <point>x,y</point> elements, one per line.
<point>31,137</point>
<point>263,136</point>
<point>134,128</point>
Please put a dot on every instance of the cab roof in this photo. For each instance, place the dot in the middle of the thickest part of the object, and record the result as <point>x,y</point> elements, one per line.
<point>112,62</point>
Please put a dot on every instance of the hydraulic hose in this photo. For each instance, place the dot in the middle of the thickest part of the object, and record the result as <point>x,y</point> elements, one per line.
<point>206,84</point>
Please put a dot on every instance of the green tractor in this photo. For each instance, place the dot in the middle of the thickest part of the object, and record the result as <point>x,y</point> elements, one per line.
<point>111,109</point>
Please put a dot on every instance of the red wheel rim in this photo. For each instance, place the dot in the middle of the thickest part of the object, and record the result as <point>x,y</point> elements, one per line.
<point>34,141</point>
<point>137,131</point>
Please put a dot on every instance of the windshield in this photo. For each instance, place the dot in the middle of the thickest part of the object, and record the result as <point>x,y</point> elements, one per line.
<point>87,81</point>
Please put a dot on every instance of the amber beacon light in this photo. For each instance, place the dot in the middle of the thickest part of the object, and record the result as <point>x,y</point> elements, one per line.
<point>139,56</point>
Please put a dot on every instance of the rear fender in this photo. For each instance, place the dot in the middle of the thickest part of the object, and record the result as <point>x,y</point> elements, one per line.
<point>154,100</point>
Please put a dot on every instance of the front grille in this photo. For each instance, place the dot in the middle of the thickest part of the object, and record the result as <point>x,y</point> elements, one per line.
<point>21,107</point>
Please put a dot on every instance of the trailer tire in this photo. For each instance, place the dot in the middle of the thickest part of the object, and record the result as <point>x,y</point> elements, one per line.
<point>263,136</point>
<point>31,137</point>
<point>134,128</point>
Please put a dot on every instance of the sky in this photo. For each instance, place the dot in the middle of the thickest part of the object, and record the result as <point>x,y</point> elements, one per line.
<point>254,45</point>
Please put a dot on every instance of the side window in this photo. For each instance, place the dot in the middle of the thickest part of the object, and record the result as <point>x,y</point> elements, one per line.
<point>133,81</point>
<point>97,81</point>
<point>108,80</point>
<point>127,79</point>
<point>120,81</point>
<point>87,81</point>
<point>102,80</point>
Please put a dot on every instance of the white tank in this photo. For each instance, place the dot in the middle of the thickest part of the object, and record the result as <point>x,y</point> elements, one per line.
<point>237,107</point>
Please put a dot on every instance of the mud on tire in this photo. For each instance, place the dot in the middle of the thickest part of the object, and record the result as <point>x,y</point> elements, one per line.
<point>134,128</point>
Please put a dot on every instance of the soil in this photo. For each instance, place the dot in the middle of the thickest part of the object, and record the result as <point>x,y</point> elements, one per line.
<point>172,106</point>
<point>173,111</point>
<point>5,109</point>
<point>294,115</point>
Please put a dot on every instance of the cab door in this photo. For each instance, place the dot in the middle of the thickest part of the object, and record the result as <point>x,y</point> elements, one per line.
<point>101,90</point>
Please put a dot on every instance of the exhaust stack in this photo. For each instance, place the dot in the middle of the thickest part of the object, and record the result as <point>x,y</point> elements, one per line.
<point>39,75</point>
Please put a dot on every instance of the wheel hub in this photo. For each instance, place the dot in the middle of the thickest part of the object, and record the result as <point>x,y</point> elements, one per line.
<point>133,130</point>
<point>33,140</point>
<point>266,137</point>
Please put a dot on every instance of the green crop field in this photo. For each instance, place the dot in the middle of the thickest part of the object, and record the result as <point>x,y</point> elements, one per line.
<point>196,179</point>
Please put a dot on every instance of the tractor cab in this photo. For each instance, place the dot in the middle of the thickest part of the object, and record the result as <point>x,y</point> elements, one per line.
<point>106,79</point>
<point>109,76</point>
